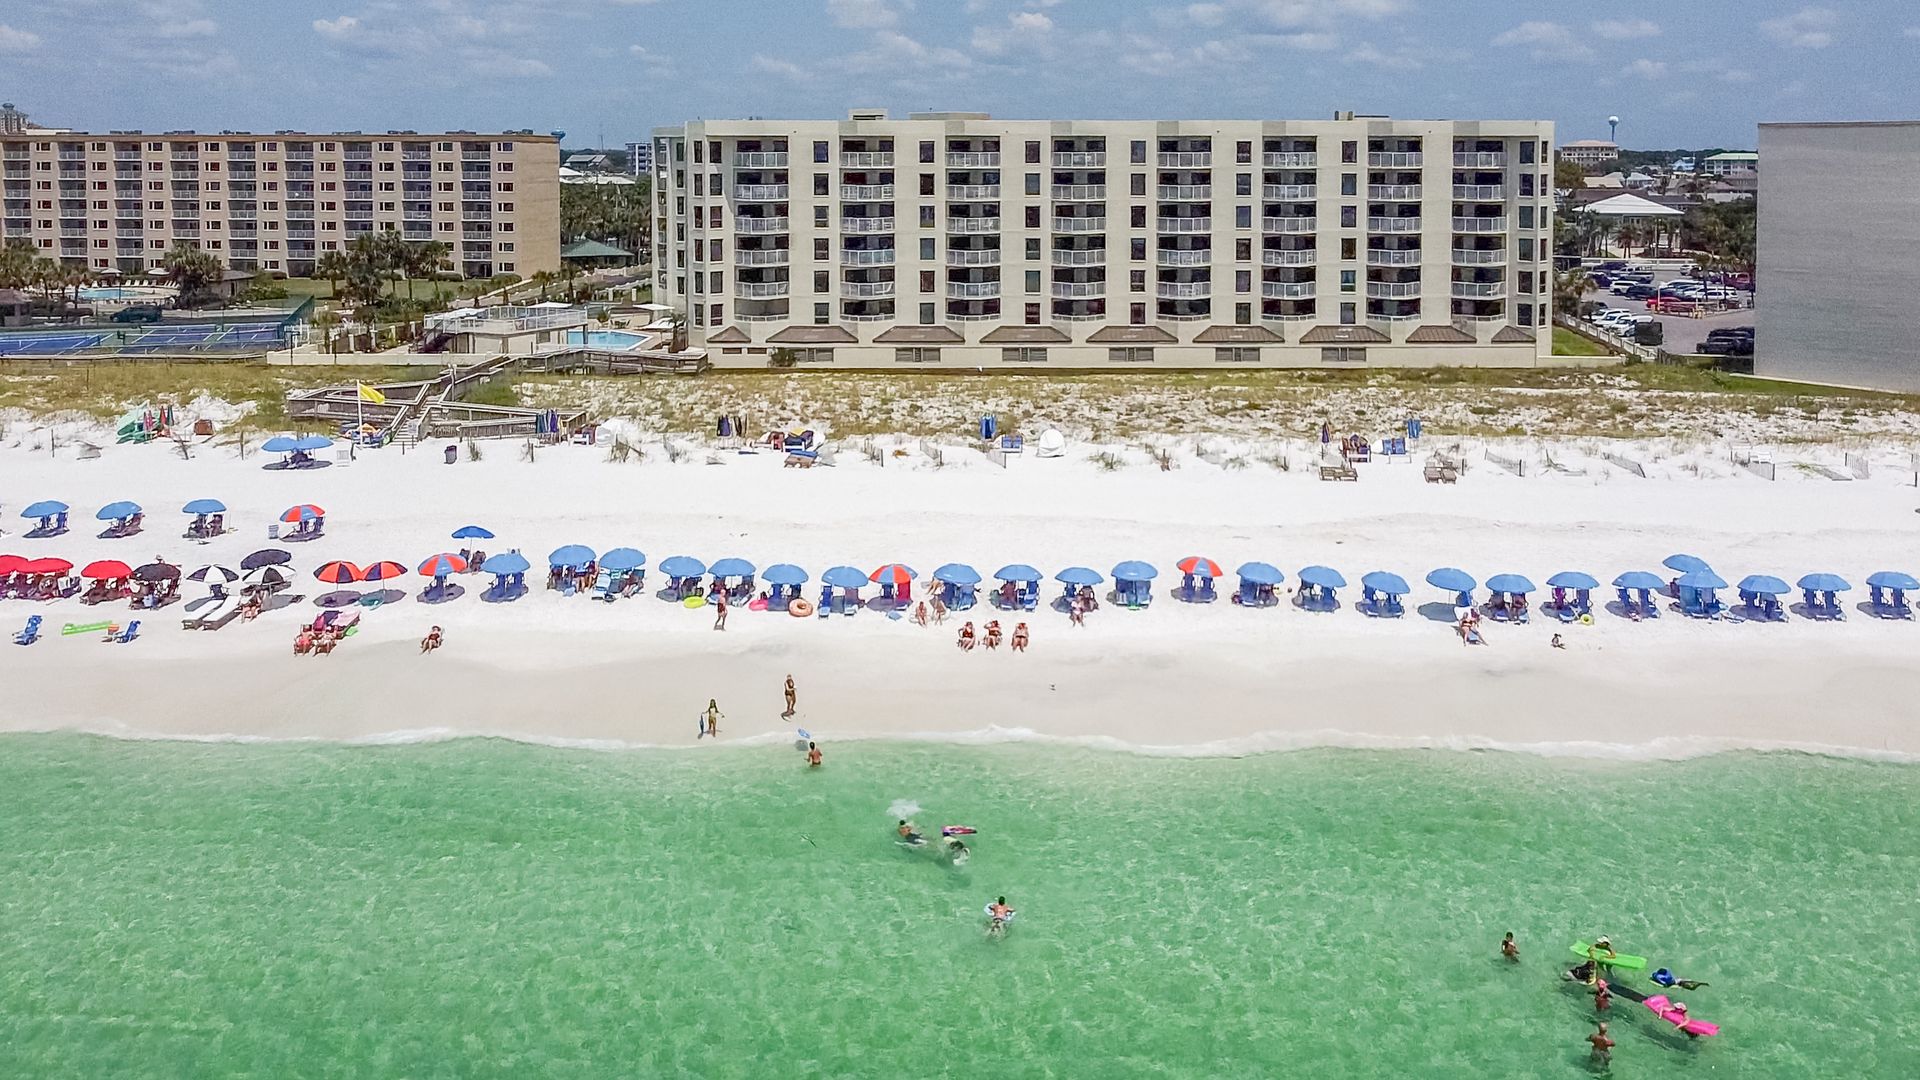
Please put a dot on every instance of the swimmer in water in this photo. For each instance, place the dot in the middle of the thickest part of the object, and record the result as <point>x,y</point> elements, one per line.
<point>909,834</point>
<point>813,755</point>
<point>1509,948</point>
<point>997,915</point>
<point>1601,950</point>
<point>1602,997</point>
<point>956,850</point>
<point>1602,1046</point>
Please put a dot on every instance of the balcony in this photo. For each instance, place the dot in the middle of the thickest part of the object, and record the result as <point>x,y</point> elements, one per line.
<point>1177,257</point>
<point>973,159</point>
<point>299,215</point>
<point>359,215</point>
<point>761,192</point>
<point>1289,257</point>
<point>1080,192</point>
<point>1081,159</point>
<point>1394,192</point>
<point>1184,192</point>
<point>1183,290</point>
<point>866,225</point>
<point>238,214</point>
<point>972,290</point>
<point>367,155</point>
<point>1479,256</point>
<point>1393,224</point>
<point>1480,224</point>
<point>1079,256</point>
<point>299,155</point>
<point>1393,256</point>
<point>79,233</point>
<point>185,155</point>
<point>1392,316</point>
<point>476,214</point>
<point>1287,290</point>
<point>973,257</point>
<point>973,192</point>
<point>1480,192</point>
<point>414,215</point>
<point>416,155</point>
<point>129,215</point>
<point>1079,224</point>
<point>1193,159</point>
<point>761,290</point>
<point>964,226</point>
<point>1480,290</point>
<point>1173,226</point>
<point>1079,290</point>
<point>1469,322</point>
<point>866,290</point>
<point>866,192</point>
<point>1289,225</point>
<point>1290,192</point>
<point>239,155</point>
<point>1399,160</point>
<point>769,257</point>
<point>867,160</point>
<point>1392,290</point>
<point>1480,161</point>
<point>759,225</point>
<point>760,159</point>
<point>871,257</point>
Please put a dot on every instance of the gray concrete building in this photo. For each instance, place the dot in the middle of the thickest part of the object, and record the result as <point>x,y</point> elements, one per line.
<point>1839,225</point>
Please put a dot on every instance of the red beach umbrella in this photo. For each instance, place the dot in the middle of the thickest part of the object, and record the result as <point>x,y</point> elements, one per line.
<point>383,571</point>
<point>443,564</point>
<point>107,570</point>
<point>894,574</point>
<point>338,573</point>
<point>1195,564</point>
<point>303,512</point>
<point>47,566</point>
<point>11,564</point>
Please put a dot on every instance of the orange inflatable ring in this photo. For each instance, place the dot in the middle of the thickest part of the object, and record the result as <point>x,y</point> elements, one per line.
<point>800,609</point>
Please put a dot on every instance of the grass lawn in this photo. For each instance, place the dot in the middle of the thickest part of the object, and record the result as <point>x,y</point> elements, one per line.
<point>1568,343</point>
<point>322,289</point>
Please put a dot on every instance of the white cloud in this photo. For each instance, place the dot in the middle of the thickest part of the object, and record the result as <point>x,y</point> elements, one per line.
<point>1808,28</point>
<point>647,58</point>
<point>1626,29</point>
<point>892,49</point>
<point>776,66</point>
<point>1546,39</point>
<point>1644,68</point>
<point>13,40</point>
<point>1024,30</point>
<point>340,29</point>
<point>1306,40</point>
<point>1912,31</point>
<point>863,14</point>
<point>1324,14</point>
<point>1401,59</point>
<point>1206,14</point>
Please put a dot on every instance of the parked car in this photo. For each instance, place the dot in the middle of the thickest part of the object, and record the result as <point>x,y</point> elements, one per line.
<point>1640,292</point>
<point>136,314</point>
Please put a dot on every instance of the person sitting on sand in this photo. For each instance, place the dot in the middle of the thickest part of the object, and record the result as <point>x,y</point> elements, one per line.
<point>1019,641</point>
<point>250,610</point>
<point>920,613</point>
<point>993,633</point>
<point>431,641</point>
<point>1557,643</point>
<point>303,642</point>
<point>966,638</point>
<point>324,643</point>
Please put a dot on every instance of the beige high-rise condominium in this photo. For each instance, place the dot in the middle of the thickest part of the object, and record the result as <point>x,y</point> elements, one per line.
<point>958,240</point>
<point>278,202</point>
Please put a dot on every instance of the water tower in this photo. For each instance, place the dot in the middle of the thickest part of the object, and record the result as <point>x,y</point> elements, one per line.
<point>1613,129</point>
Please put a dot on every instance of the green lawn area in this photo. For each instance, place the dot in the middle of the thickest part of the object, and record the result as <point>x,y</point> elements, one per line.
<point>1568,343</point>
<point>321,289</point>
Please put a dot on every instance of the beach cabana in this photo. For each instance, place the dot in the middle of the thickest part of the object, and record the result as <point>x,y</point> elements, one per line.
<point>1572,595</point>
<point>735,576</point>
<point>1820,592</point>
<point>1133,584</point>
<point>52,515</point>
<point>1019,587</point>
<point>123,519</point>
<point>1697,593</point>
<point>895,581</point>
<point>1317,589</point>
<point>1635,589</point>
<point>958,583</point>
<point>683,573</point>
<point>1258,585</point>
<point>1456,581</point>
<point>849,580</point>
<point>783,585</point>
<point>1888,594</point>
<point>1507,597</point>
<point>1761,594</point>
<point>208,518</point>
<point>1197,577</point>
<point>1380,594</point>
<point>1075,578</point>
<point>509,572</point>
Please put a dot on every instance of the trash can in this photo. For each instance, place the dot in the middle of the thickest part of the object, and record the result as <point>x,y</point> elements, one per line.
<point>453,453</point>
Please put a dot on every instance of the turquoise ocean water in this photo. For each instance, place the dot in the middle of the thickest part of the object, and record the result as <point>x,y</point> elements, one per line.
<point>482,908</point>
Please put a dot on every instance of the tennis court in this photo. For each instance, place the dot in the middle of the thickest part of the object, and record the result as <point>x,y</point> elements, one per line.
<point>161,337</point>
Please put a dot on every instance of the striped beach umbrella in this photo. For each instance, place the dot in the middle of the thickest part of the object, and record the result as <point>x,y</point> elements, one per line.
<point>895,574</point>
<point>386,570</point>
<point>1195,564</point>
<point>213,572</point>
<point>440,566</point>
<point>338,573</point>
<point>303,512</point>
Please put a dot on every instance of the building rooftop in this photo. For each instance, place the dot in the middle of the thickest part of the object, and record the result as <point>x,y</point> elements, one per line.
<point>523,136</point>
<point>1589,144</point>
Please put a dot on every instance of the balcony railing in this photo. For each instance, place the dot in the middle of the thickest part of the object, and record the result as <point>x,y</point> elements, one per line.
<point>760,159</point>
<point>973,257</point>
<point>1177,257</point>
<point>759,225</point>
<point>971,225</point>
<point>1081,159</point>
<point>1079,224</point>
<point>973,192</point>
<point>1398,160</point>
<point>1289,256</point>
<point>132,215</point>
<point>867,160</point>
<point>185,155</point>
<point>1479,224</point>
<point>772,256</point>
<point>1392,316</point>
<point>238,214</point>
<point>762,192</point>
<point>1184,192</point>
<point>1290,192</point>
<point>1080,192</point>
<point>1183,290</point>
<point>972,290</point>
<point>1480,161</point>
<point>1287,290</point>
<point>1393,257</point>
<point>416,155</point>
<point>1291,160</point>
<point>1479,256</point>
<point>1192,159</point>
<point>1394,192</point>
<point>761,290</point>
<point>79,232</point>
<point>1176,225</point>
<point>299,215</point>
<point>1292,225</point>
<point>1079,290</point>
<point>413,215</point>
<point>866,192</point>
<point>871,257</point>
<point>1471,321</point>
<point>866,290</point>
<point>1079,256</point>
<point>1392,290</point>
<point>973,159</point>
<point>866,225</point>
<point>1393,224</point>
<point>1476,290</point>
<point>359,215</point>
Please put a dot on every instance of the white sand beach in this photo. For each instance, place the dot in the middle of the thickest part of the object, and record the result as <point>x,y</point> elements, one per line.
<point>1173,678</point>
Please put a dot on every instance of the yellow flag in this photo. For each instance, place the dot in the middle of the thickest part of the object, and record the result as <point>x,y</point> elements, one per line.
<point>368,393</point>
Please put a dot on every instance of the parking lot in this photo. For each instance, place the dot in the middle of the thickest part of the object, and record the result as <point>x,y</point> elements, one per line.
<point>1684,333</point>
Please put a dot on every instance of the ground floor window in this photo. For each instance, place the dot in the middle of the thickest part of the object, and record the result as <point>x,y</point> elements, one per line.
<point>1237,354</point>
<point>813,356</point>
<point>1130,355</point>
<point>916,356</point>
<point>1023,355</point>
<point>1343,355</point>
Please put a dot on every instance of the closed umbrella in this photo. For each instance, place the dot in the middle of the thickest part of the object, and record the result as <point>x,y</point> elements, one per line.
<point>106,570</point>
<point>116,511</point>
<point>621,560</point>
<point>1198,566</point>
<point>784,574</point>
<point>266,557</point>
<point>215,574</point>
<point>386,570</point>
<point>844,577</point>
<point>1260,573</point>
<point>439,566</point>
<point>338,573</point>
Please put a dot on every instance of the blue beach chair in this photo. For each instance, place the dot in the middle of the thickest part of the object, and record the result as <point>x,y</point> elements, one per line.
<point>30,633</point>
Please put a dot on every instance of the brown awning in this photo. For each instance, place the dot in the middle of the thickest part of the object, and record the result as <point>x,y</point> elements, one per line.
<point>1512,335</point>
<point>921,335</point>
<point>1440,335</point>
<point>1132,335</point>
<point>1026,335</point>
<point>732,335</point>
<point>814,335</point>
<point>1238,335</point>
<point>1344,335</point>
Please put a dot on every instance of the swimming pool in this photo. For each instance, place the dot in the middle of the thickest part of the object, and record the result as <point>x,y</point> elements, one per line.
<point>612,340</point>
<point>109,293</point>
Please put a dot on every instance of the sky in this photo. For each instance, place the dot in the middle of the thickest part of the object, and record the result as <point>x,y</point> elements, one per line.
<point>1694,74</point>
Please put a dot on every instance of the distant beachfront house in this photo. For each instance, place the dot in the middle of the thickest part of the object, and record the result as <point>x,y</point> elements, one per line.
<point>1731,164</point>
<point>14,306</point>
<point>593,253</point>
<point>1587,153</point>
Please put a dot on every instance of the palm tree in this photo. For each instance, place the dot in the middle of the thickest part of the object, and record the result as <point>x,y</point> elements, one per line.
<point>1568,289</point>
<point>332,267</point>
<point>16,263</point>
<point>544,278</point>
<point>324,321</point>
<point>77,278</point>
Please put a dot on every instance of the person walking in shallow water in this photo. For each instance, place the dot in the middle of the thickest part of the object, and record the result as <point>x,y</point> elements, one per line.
<point>1602,1046</point>
<point>791,698</point>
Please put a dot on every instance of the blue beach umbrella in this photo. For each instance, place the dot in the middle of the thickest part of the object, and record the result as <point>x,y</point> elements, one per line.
<point>1764,584</point>
<point>281,444</point>
<point>1016,572</point>
<point>1685,564</point>
<point>682,566</point>
<point>1639,579</point>
<point>1134,570</point>
<point>845,577</point>
<point>1510,583</point>
<point>731,568</point>
<point>1572,579</point>
<point>784,574</point>
<point>511,562</point>
<point>1702,579</point>
<point>1260,573</point>
<point>1324,577</point>
<point>45,508</point>
<point>1381,581</point>
<point>1825,583</point>
<point>1893,579</point>
<point>1450,579</point>
<point>114,511</point>
<point>620,560</point>
<point>1079,575</point>
<point>571,555</point>
<point>471,532</point>
<point>955,573</point>
<point>204,506</point>
<point>312,442</point>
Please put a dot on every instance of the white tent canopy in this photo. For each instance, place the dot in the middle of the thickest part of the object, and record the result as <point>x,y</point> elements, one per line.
<point>1631,206</point>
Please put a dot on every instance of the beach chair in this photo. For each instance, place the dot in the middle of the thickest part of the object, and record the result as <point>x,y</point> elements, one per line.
<point>606,586</point>
<point>1029,595</point>
<point>29,633</point>
<point>1897,607</point>
<point>124,634</point>
<point>273,531</point>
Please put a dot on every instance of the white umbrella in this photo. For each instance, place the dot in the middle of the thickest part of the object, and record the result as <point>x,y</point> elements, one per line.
<point>215,574</point>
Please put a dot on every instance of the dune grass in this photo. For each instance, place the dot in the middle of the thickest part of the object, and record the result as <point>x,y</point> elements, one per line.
<point>105,389</point>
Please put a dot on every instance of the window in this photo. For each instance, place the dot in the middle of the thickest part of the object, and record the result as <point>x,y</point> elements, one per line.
<point>820,153</point>
<point>697,149</point>
<point>1033,183</point>
<point>1243,152</point>
<point>1137,153</point>
<point>1023,355</point>
<point>916,356</point>
<point>1243,281</point>
<point>1346,314</point>
<point>926,249</point>
<point>1033,217</point>
<point>1139,183</point>
<point>926,217</point>
<point>1526,217</point>
<point>1349,183</point>
<point>926,184</point>
<point>1138,217</point>
<point>1137,280</point>
<point>1526,314</point>
<point>699,279</point>
<point>1526,281</point>
<point>1136,314</point>
<point>1130,354</point>
<point>1349,248</point>
<point>1243,184</point>
<point>820,217</point>
<point>1033,282</point>
<point>1343,354</point>
<point>1526,152</point>
<point>926,314</point>
<point>821,281</point>
<point>1349,217</point>
<point>1347,280</point>
<point>1243,217</point>
<point>1033,153</point>
<point>1526,183</point>
<point>820,182</point>
<point>699,186</point>
<point>1243,314</point>
<point>1349,152</point>
<point>1237,354</point>
<point>822,313</point>
<point>718,281</point>
<point>1137,249</point>
<point>822,250</point>
<point>1033,249</point>
<point>1526,249</point>
<point>1033,314</point>
<point>927,281</point>
<point>926,153</point>
<point>1243,249</point>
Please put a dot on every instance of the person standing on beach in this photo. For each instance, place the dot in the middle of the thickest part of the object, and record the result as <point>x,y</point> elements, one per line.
<point>791,698</point>
<point>720,604</point>
<point>713,718</point>
<point>1602,1046</point>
